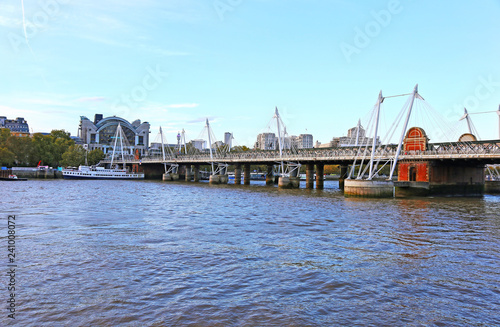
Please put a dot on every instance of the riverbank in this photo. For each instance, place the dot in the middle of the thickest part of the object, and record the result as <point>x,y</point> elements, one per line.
<point>35,172</point>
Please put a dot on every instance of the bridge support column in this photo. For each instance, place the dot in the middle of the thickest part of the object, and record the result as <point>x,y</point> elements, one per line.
<point>310,175</point>
<point>343,175</point>
<point>237,174</point>
<point>223,177</point>
<point>294,178</point>
<point>292,181</point>
<point>246,174</point>
<point>270,175</point>
<point>188,173</point>
<point>196,173</point>
<point>320,176</point>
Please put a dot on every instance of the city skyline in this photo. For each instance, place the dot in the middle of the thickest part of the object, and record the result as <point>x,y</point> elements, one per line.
<point>177,63</point>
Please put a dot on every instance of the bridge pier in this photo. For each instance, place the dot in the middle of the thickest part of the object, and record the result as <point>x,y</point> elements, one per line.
<point>436,177</point>
<point>223,177</point>
<point>237,174</point>
<point>270,175</point>
<point>292,181</point>
<point>320,176</point>
<point>196,173</point>
<point>175,173</point>
<point>246,174</point>
<point>343,175</point>
<point>188,173</point>
<point>310,176</point>
<point>492,187</point>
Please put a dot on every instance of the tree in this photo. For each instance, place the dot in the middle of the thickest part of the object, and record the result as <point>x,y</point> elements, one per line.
<point>95,156</point>
<point>241,148</point>
<point>61,142</point>
<point>6,157</point>
<point>22,147</point>
<point>4,135</point>
<point>74,156</point>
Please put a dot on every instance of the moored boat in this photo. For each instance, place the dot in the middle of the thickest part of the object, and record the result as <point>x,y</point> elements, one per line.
<point>93,172</point>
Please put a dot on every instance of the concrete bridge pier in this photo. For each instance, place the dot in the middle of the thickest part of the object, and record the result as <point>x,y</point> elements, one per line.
<point>196,173</point>
<point>246,174</point>
<point>188,173</point>
<point>214,179</point>
<point>292,181</point>
<point>175,173</point>
<point>166,177</point>
<point>310,176</point>
<point>320,176</point>
<point>237,174</point>
<point>270,175</point>
<point>223,177</point>
<point>343,175</point>
<point>492,187</point>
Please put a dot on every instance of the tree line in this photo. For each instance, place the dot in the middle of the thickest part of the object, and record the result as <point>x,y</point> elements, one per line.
<point>55,149</point>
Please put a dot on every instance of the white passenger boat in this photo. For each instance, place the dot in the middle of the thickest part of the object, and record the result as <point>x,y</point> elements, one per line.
<point>96,172</point>
<point>93,172</point>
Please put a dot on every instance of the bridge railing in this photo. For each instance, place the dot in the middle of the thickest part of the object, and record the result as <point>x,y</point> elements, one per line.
<point>441,150</point>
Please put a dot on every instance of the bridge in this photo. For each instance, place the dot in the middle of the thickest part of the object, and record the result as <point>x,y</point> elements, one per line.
<point>423,167</point>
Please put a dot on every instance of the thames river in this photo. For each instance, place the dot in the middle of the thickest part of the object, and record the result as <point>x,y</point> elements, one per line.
<point>148,253</point>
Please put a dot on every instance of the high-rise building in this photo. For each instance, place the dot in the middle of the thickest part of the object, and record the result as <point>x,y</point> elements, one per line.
<point>228,139</point>
<point>199,144</point>
<point>266,141</point>
<point>305,141</point>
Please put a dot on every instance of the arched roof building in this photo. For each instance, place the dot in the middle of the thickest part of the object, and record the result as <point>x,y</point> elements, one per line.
<point>99,134</point>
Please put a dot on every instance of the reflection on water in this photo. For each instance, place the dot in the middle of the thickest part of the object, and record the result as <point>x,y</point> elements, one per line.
<point>107,253</point>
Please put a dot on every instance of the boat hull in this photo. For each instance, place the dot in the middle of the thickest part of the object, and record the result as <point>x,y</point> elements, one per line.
<point>103,177</point>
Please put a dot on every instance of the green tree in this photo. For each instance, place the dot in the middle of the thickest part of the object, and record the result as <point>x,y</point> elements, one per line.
<point>50,148</point>
<point>4,135</point>
<point>95,156</point>
<point>22,148</point>
<point>241,148</point>
<point>61,143</point>
<point>6,157</point>
<point>74,156</point>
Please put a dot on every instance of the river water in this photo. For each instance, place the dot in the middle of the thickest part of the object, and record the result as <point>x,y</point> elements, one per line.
<point>147,253</point>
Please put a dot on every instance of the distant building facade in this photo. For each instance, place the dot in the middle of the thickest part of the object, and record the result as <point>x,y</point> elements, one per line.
<point>99,134</point>
<point>228,139</point>
<point>17,127</point>
<point>305,141</point>
<point>266,141</point>
<point>356,136</point>
<point>199,144</point>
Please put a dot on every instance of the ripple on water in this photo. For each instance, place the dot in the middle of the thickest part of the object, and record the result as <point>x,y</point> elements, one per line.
<point>155,254</point>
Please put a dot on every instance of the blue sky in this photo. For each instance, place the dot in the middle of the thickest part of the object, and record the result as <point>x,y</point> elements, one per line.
<point>175,63</point>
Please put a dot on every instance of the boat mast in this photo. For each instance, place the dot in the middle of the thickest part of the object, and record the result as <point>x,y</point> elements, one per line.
<point>415,94</point>
<point>114,146</point>
<point>374,144</point>
<point>121,144</point>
